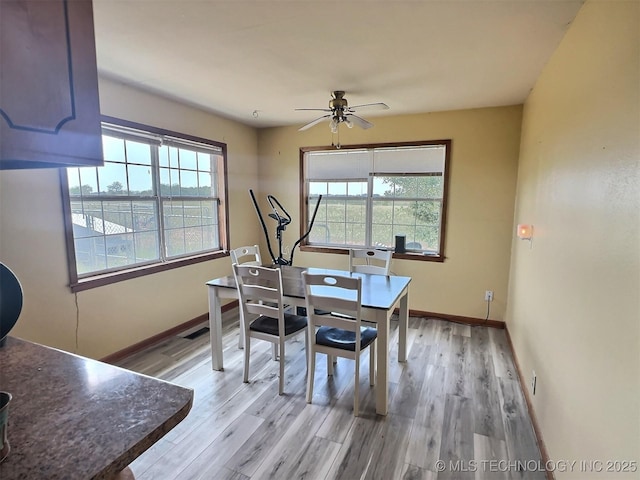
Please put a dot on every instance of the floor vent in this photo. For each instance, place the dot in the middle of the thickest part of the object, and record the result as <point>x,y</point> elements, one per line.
<point>197,333</point>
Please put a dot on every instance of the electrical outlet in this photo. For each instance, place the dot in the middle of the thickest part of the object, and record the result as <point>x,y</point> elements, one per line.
<point>488,296</point>
<point>533,382</point>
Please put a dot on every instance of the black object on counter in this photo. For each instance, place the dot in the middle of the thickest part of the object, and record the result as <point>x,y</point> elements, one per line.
<point>10,301</point>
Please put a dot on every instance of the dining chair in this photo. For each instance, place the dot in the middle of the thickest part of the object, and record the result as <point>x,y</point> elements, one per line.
<point>337,336</point>
<point>370,261</point>
<point>262,313</point>
<point>249,255</point>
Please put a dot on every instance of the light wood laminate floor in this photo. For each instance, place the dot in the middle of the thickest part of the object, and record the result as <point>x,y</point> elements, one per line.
<point>457,400</point>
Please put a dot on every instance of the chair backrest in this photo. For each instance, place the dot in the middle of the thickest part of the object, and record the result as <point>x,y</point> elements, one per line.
<point>239,255</point>
<point>370,261</point>
<point>260,292</point>
<point>337,294</point>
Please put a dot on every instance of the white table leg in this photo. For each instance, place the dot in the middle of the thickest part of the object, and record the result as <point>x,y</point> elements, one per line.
<point>382,379</point>
<point>215,329</point>
<point>403,320</point>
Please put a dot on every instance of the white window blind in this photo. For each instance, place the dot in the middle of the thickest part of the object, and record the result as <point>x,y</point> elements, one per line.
<point>408,160</point>
<point>358,164</point>
<point>351,164</point>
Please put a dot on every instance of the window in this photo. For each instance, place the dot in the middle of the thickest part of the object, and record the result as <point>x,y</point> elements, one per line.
<point>371,194</point>
<point>158,202</point>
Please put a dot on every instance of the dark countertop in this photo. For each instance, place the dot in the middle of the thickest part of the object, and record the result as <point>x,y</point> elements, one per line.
<point>76,418</point>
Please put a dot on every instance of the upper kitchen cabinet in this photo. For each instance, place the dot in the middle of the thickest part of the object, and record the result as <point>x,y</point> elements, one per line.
<point>49,105</point>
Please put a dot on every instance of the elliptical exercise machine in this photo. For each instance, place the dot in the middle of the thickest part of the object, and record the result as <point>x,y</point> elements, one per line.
<point>282,217</point>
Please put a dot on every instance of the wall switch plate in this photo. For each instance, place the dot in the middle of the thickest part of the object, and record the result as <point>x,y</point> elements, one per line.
<point>488,296</point>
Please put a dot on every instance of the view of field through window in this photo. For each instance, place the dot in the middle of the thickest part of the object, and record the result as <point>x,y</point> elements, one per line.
<point>148,203</point>
<point>372,195</point>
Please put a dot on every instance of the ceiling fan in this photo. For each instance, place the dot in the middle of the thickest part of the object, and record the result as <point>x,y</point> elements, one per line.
<point>339,112</point>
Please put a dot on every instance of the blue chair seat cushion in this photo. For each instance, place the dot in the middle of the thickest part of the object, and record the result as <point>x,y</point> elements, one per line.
<point>292,323</point>
<point>345,339</point>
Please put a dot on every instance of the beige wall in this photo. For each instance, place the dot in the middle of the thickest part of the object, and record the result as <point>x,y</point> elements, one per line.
<point>112,317</point>
<point>480,211</point>
<point>574,301</point>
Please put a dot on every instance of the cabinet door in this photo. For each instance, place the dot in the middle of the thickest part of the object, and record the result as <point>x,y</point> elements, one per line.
<point>49,105</point>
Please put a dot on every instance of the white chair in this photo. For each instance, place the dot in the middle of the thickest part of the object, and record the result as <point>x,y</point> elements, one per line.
<point>260,293</point>
<point>342,336</point>
<point>370,261</point>
<point>249,255</point>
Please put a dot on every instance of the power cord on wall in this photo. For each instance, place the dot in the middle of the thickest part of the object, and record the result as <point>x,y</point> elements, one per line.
<point>486,318</point>
<point>77,321</point>
<point>488,310</point>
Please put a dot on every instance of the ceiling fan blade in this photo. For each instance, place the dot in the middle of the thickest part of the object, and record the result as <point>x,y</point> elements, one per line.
<point>370,106</point>
<point>361,122</point>
<point>313,109</point>
<point>315,122</point>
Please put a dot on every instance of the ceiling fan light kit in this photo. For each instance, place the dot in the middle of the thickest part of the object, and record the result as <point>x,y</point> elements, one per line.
<point>339,112</point>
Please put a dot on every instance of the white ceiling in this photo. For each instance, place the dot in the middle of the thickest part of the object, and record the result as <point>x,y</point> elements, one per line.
<point>234,57</point>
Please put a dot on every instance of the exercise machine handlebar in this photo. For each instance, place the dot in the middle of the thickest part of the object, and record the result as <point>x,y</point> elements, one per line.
<point>283,218</point>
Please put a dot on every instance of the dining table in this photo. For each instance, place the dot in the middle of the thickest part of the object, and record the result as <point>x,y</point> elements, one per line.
<point>381,295</point>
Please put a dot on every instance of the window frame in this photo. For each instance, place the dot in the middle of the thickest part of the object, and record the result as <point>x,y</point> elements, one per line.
<point>77,284</point>
<point>304,200</point>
